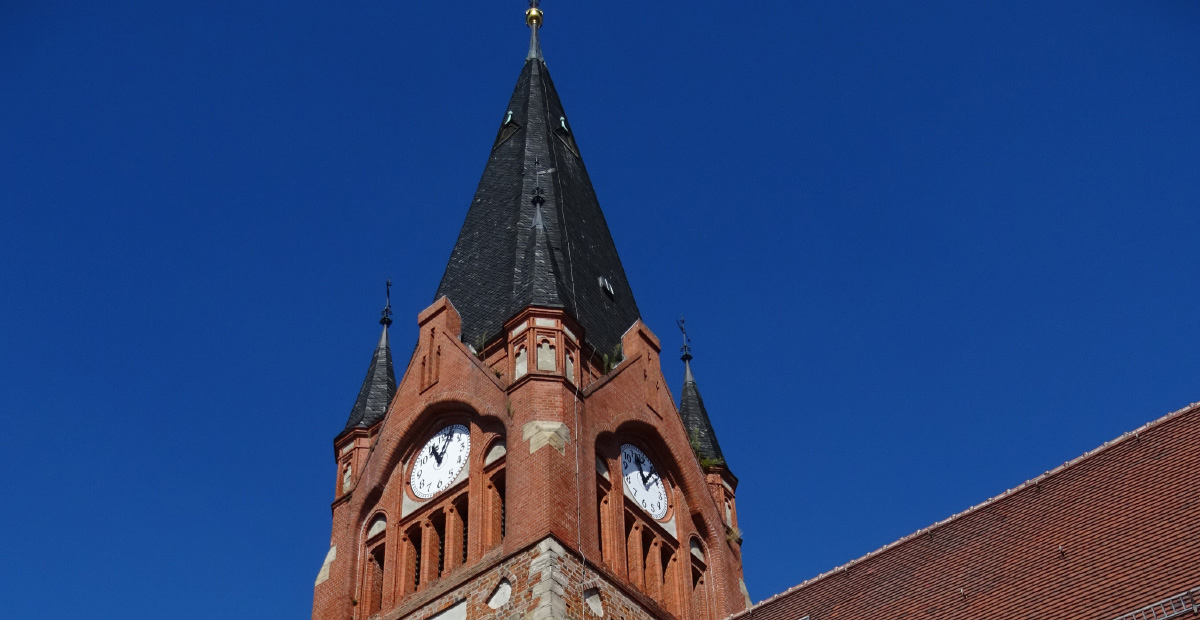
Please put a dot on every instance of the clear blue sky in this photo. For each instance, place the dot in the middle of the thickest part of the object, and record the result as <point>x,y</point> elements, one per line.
<point>926,252</point>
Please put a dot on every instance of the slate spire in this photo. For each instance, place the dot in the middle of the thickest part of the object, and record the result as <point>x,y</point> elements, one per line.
<point>695,416</point>
<point>534,234</point>
<point>379,386</point>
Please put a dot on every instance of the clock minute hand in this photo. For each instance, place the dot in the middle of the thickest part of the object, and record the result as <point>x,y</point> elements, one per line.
<point>445,446</point>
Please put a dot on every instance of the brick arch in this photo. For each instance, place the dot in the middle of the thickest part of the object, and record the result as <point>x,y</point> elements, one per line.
<point>376,512</point>
<point>672,462</point>
<point>710,534</point>
<point>397,452</point>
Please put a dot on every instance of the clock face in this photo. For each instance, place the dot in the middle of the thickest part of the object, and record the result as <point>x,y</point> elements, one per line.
<point>440,461</point>
<point>642,481</point>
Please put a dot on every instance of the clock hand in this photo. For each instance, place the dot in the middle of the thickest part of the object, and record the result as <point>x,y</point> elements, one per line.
<point>445,446</point>
<point>437,457</point>
<point>643,474</point>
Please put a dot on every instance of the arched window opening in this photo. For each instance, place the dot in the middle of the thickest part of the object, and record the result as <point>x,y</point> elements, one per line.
<point>699,593</point>
<point>670,590</point>
<point>374,579</point>
<point>412,547</point>
<point>604,510</point>
<point>375,567</point>
<point>545,355</point>
<point>699,581</point>
<point>437,541</point>
<point>495,506</point>
<point>521,363</point>
<point>347,475</point>
<point>652,552</point>
<point>634,557</point>
<point>459,531</point>
<point>497,526</point>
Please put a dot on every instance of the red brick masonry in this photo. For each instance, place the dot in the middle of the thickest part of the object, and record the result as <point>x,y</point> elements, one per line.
<point>1101,536</point>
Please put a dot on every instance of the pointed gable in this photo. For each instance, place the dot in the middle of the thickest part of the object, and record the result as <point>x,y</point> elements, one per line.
<point>534,234</point>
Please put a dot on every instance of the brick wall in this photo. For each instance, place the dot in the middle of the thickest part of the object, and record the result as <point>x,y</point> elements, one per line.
<point>553,428</point>
<point>546,581</point>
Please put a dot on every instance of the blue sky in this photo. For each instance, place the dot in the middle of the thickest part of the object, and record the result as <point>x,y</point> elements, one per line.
<point>926,251</point>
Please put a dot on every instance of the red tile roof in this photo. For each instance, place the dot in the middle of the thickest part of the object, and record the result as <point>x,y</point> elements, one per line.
<point>1109,532</point>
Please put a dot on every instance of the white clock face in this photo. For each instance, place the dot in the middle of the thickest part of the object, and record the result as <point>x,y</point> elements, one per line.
<point>642,481</point>
<point>440,461</point>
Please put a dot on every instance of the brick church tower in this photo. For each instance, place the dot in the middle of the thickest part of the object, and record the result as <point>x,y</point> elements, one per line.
<point>531,462</point>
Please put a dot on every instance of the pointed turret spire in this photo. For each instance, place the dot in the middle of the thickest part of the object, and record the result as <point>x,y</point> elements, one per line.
<point>691,409</point>
<point>534,234</point>
<point>379,386</point>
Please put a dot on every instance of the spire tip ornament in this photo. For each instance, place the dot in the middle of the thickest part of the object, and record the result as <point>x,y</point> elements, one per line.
<point>686,349</point>
<point>533,16</point>
<point>533,19</point>
<point>386,320</point>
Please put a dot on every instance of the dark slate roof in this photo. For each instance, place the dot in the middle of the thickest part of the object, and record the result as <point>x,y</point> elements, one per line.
<point>695,418</point>
<point>377,389</point>
<point>534,234</point>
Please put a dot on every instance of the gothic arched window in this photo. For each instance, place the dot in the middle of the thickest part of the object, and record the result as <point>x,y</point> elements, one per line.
<point>520,363</point>
<point>699,581</point>
<point>496,507</point>
<point>375,567</point>
<point>604,510</point>
<point>545,355</point>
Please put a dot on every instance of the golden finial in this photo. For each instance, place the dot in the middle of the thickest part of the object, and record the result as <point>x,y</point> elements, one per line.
<point>533,17</point>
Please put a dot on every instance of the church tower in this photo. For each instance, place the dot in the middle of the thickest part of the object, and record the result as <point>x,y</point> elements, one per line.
<point>531,462</point>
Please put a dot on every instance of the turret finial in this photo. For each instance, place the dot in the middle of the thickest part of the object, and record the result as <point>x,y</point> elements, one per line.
<point>533,16</point>
<point>386,320</point>
<point>533,19</point>
<point>687,342</point>
<point>687,352</point>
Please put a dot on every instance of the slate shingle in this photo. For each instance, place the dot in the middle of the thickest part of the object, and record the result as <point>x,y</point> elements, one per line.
<point>377,389</point>
<point>695,418</point>
<point>502,262</point>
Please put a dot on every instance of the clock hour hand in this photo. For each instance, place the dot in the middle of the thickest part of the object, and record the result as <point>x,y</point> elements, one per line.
<point>641,472</point>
